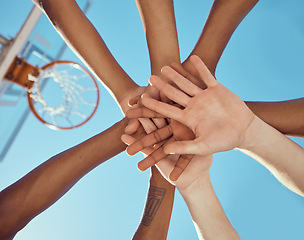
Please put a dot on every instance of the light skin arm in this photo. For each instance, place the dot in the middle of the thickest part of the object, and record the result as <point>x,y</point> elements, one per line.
<point>44,185</point>
<point>280,155</point>
<point>221,121</point>
<point>206,211</point>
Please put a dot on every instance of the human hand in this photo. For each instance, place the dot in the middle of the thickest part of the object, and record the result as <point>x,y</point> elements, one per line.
<point>218,117</point>
<point>197,166</point>
<point>132,98</point>
<point>125,103</point>
<point>125,99</point>
<point>156,141</point>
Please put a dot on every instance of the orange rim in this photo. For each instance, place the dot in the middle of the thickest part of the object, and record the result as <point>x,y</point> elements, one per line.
<point>50,125</point>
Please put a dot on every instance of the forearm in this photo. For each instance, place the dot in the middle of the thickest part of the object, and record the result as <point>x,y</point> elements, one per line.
<point>160,28</point>
<point>69,21</point>
<point>43,186</point>
<point>156,217</point>
<point>206,211</point>
<point>280,155</point>
<point>224,17</point>
<point>285,116</point>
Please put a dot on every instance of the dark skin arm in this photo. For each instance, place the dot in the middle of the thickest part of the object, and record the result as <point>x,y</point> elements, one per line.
<point>156,216</point>
<point>286,116</point>
<point>69,20</point>
<point>158,21</point>
<point>224,17</point>
<point>47,183</point>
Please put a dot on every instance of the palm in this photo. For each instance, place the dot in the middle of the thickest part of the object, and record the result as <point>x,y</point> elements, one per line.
<point>214,117</point>
<point>198,166</point>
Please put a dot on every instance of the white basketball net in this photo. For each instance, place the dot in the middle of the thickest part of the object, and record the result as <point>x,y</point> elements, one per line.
<point>73,90</point>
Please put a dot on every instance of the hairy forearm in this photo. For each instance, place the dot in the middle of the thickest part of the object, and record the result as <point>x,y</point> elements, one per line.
<point>44,185</point>
<point>69,21</point>
<point>285,116</point>
<point>206,211</point>
<point>157,213</point>
<point>280,155</point>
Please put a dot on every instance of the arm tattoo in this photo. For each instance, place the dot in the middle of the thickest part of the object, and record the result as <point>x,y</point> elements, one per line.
<point>155,197</point>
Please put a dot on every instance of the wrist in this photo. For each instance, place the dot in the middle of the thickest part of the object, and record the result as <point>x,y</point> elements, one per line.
<point>197,185</point>
<point>254,134</point>
<point>157,179</point>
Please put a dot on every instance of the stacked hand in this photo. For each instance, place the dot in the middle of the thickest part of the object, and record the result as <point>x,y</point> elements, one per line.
<point>218,118</point>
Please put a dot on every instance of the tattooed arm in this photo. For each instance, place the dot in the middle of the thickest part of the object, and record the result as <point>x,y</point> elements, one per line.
<point>156,217</point>
<point>159,25</point>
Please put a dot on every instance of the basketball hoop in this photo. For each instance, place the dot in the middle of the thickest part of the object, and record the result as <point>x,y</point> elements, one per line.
<point>79,96</point>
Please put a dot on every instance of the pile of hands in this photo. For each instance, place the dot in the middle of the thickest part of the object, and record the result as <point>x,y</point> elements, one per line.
<point>190,124</point>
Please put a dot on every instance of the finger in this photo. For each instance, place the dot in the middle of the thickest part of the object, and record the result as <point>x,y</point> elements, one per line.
<point>127,139</point>
<point>164,109</point>
<point>133,101</point>
<point>203,71</point>
<point>132,126</point>
<point>180,166</point>
<point>183,83</point>
<point>166,165</point>
<point>159,122</point>
<point>171,92</point>
<point>147,124</point>
<point>164,98</point>
<point>187,147</point>
<point>179,68</point>
<point>152,159</point>
<point>143,112</point>
<point>150,139</point>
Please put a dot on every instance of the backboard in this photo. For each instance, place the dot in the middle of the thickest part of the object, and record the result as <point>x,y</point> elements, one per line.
<point>38,43</point>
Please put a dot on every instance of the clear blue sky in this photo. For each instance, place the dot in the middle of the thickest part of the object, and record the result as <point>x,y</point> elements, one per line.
<point>263,61</point>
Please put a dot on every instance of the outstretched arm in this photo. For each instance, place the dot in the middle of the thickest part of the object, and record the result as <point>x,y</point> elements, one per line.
<point>160,29</point>
<point>285,116</point>
<point>206,211</point>
<point>44,185</point>
<point>224,17</point>
<point>157,213</point>
<point>69,20</point>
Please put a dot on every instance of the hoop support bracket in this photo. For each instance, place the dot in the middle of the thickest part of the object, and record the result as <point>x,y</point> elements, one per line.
<point>19,70</point>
